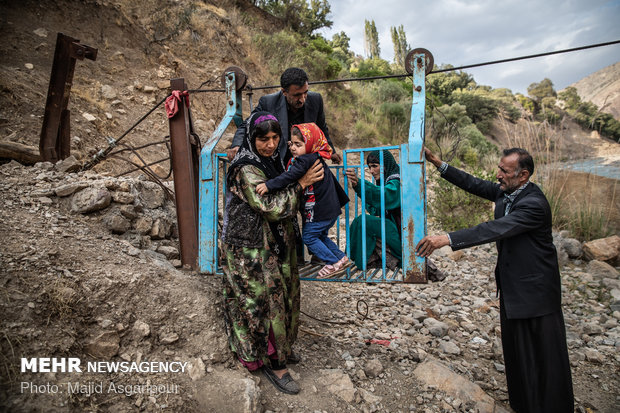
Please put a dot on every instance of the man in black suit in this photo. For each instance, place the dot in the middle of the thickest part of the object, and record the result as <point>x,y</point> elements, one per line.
<point>292,105</point>
<point>528,280</point>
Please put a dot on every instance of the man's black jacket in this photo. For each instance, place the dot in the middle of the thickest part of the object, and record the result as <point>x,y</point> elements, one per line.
<point>275,103</point>
<point>527,272</point>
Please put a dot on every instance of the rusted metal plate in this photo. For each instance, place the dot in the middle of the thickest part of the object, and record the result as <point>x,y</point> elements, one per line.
<point>185,175</point>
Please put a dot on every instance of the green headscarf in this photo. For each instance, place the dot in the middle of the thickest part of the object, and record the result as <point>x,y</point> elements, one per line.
<point>391,170</point>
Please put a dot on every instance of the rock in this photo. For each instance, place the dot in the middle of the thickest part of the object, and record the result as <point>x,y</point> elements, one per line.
<point>572,247</point>
<point>45,166</point>
<point>168,251</point>
<point>143,224</point>
<point>68,165</point>
<point>456,255</point>
<point>89,117</point>
<point>339,383</point>
<point>196,369</point>
<point>369,397</point>
<point>603,249</point>
<point>108,92</point>
<point>594,356</point>
<point>129,212</point>
<point>373,368</point>
<point>41,32</point>
<point>228,391</point>
<point>29,66</point>
<point>141,329</point>
<point>149,89</point>
<point>104,346</point>
<point>433,373</point>
<point>435,327</point>
<point>449,347</point>
<point>592,329</point>
<point>123,197</point>
<point>116,222</point>
<point>151,195</point>
<point>90,199</point>
<point>68,189</point>
<point>161,228</point>
<point>168,338</point>
<point>601,270</point>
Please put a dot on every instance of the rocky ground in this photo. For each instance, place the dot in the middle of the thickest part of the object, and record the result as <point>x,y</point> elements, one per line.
<point>88,271</point>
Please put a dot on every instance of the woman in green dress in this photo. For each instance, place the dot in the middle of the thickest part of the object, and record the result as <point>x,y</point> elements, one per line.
<point>261,278</point>
<point>373,219</point>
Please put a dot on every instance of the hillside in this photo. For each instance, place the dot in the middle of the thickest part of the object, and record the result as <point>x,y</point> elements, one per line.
<point>603,89</point>
<point>104,283</point>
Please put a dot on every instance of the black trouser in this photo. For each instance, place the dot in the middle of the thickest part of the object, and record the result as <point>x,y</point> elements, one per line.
<point>536,359</point>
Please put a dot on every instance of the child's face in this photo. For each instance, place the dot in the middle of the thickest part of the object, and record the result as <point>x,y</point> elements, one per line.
<point>297,145</point>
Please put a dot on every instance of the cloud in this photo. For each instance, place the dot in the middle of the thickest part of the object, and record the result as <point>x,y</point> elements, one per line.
<point>462,32</point>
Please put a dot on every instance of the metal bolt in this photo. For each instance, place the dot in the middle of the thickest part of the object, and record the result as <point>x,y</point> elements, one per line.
<point>230,76</point>
<point>419,60</point>
<point>230,102</point>
<point>418,88</point>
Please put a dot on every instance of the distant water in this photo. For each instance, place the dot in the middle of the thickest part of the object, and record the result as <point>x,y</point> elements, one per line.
<point>595,166</point>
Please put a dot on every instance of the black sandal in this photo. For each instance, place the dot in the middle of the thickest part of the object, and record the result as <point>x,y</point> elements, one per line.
<point>286,384</point>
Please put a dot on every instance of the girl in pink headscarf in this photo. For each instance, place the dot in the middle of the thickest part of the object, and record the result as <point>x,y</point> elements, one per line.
<point>322,201</point>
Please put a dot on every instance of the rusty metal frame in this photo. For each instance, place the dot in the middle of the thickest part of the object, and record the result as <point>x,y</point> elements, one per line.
<point>55,141</point>
<point>185,162</point>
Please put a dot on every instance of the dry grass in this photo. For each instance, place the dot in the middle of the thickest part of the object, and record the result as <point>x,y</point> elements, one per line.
<point>584,204</point>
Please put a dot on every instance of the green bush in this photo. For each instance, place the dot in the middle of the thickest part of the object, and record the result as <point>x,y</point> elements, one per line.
<point>454,209</point>
<point>314,55</point>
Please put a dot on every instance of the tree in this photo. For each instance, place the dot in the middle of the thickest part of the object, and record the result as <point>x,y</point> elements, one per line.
<point>571,98</point>
<point>371,39</point>
<point>302,16</point>
<point>340,49</point>
<point>538,91</point>
<point>401,48</point>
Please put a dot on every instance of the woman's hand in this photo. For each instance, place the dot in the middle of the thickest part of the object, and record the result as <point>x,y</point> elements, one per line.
<point>352,177</point>
<point>314,174</point>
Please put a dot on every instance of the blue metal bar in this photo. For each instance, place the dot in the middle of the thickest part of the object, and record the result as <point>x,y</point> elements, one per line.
<point>413,179</point>
<point>363,214</point>
<point>208,195</point>
<point>382,192</point>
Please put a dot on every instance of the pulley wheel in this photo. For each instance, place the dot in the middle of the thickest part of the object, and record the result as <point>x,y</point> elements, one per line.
<point>428,57</point>
<point>240,77</point>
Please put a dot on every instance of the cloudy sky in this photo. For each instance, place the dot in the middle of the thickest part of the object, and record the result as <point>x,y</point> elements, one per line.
<point>462,32</point>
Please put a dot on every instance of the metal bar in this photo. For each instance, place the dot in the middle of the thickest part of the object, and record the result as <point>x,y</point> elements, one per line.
<point>382,196</point>
<point>184,180</point>
<point>207,193</point>
<point>413,179</point>
<point>54,143</point>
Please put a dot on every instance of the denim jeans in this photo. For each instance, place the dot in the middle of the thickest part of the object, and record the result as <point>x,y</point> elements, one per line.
<point>315,236</point>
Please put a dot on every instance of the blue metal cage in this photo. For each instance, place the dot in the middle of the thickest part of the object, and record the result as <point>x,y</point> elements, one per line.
<point>413,195</point>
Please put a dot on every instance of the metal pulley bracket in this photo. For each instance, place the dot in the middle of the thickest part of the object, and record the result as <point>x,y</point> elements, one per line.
<point>428,57</point>
<point>240,77</point>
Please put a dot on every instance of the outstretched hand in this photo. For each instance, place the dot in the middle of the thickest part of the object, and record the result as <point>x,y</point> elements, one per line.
<point>430,156</point>
<point>336,158</point>
<point>314,174</point>
<point>430,243</point>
